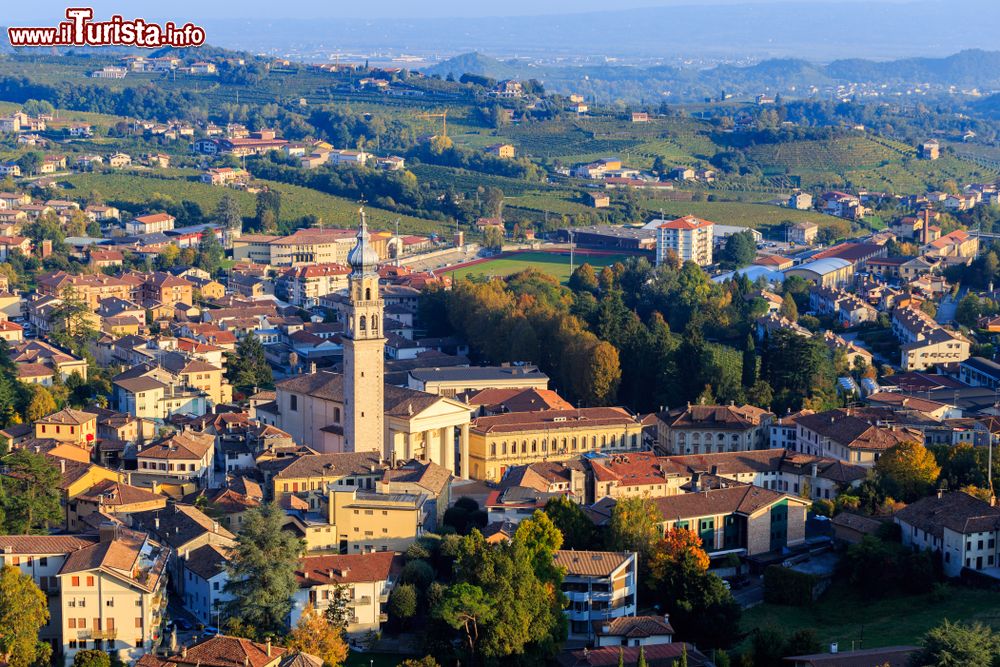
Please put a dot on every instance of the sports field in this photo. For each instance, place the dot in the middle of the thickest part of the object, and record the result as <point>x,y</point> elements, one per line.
<point>552,263</point>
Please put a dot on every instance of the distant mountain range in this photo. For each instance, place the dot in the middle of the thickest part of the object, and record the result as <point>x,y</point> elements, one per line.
<point>968,69</point>
<point>973,67</point>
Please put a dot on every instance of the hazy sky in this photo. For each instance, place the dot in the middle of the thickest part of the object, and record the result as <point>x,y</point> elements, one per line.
<point>46,12</point>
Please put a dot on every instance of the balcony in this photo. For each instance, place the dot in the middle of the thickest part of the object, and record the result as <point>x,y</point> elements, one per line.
<point>105,634</point>
<point>383,618</point>
<point>362,601</point>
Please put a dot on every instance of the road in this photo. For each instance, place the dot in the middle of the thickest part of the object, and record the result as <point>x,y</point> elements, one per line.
<point>947,308</point>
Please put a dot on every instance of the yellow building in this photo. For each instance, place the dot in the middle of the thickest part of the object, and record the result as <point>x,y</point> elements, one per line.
<point>106,593</point>
<point>352,520</point>
<point>68,425</point>
<point>498,442</point>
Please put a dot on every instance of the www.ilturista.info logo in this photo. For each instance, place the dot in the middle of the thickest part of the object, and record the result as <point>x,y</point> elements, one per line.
<point>80,30</point>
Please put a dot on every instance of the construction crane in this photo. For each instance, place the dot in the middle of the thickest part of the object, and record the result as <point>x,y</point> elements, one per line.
<point>443,116</point>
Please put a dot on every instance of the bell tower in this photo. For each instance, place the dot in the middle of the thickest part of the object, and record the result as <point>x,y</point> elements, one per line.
<point>364,350</point>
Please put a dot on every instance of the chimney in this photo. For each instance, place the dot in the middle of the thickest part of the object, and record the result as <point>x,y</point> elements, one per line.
<point>156,523</point>
<point>940,493</point>
<point>834,648</point>
<point>184,651</point>
<point>269,647</point>
<point>815,470</point>
<point>695,481</point>
<point>62,465</point>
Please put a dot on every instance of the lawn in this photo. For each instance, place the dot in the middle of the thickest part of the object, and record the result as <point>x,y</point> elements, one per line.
<point>554,264</point>
<point>843,616</point>
<point>355,659</point>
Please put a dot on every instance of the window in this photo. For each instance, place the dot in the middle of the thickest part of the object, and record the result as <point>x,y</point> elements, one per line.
<point>293,402</point>
<point>72,624</point>
<point>74,581</point>
<point>361,323</point>
<point>138,621</point>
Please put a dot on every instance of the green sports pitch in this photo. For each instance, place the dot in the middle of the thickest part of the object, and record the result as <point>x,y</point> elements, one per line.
<point>555,264</point>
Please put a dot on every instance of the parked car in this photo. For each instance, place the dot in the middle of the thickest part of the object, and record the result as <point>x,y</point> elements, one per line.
<point>183,624</point>
<point>210,631</point>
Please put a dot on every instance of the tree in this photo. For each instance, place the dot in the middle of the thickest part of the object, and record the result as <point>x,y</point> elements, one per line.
<point>577,529</point>
<point>29,162</point>
<point>23,611</point>
<point>338,613</point>
<point>403,603</point>
<point>313,635</point>
<point>210,253</point>
<point>42,404</point>
<point>740,250</point>
<point>642,658</point>
<point>958,645</point>
<point>493,238</point>
<point>583,279</point>
<point>907,471</point>
<point>426,661</point>
<point>635,526</point>
<point>465,607</point>
<point>262,570</point>
<point>227,214</point>
<point>749,362</point>
<point>788,308</point>
<point>72,322</point>
<point>697,600</point>
<point>30,493</point>
<point>92,658</point>
<point>248,369</point>
<point>602,375</point>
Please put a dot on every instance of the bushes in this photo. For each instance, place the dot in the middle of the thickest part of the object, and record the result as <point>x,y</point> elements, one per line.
<point>784,586</point>
<point>877,567</point>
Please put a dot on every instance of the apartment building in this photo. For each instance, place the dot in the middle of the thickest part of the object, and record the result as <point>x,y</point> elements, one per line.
<point>962,528</point>
<point>304,285</point>
<point>186,456</point>
<point>106,593</point>
<point>689,237</point>
<point>852,435</point>
<point>599,586</point>
<point>926,343</point>
<point>368,578</point>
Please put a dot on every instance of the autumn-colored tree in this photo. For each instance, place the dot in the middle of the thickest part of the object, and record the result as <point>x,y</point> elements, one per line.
<point>907,471</point>
<point>313,635</point>
<point>679,545</point>
<point>602,376</point>
<point>635,526</point>
<point>42,404</point>
<point>23,611</point>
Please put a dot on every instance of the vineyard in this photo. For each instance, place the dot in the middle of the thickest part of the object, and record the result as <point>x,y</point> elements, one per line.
<point>758,216</point>
<point>296,202</point>
<point>821,156</point>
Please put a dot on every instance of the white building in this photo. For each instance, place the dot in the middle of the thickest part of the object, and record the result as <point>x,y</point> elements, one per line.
<point>689,237</point>
<point>962,528</point>
<point>205,580</point>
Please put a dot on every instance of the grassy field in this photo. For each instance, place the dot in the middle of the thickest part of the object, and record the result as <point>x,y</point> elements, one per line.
<point>842,616</point>
<point>554,264</point>
<point>296,201</point>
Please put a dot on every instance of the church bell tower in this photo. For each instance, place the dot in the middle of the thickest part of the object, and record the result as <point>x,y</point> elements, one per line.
<point>364,350</point>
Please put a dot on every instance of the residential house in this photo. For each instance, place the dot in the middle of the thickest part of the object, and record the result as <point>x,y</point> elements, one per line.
<point>205,579</point>
<point>184,457</point>
<point>959,527</point>
<point>366,580</point>
<point>852,435</point>
<point>149,224</point>
<point>599,586</point>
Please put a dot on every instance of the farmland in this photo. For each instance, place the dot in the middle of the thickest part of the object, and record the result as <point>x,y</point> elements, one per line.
<point>552,263</point>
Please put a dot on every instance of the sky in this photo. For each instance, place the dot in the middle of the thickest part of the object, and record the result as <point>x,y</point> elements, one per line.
<point>48,12</point>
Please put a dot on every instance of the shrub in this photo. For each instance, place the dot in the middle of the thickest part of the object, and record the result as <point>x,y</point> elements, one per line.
<point>788,587</point>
